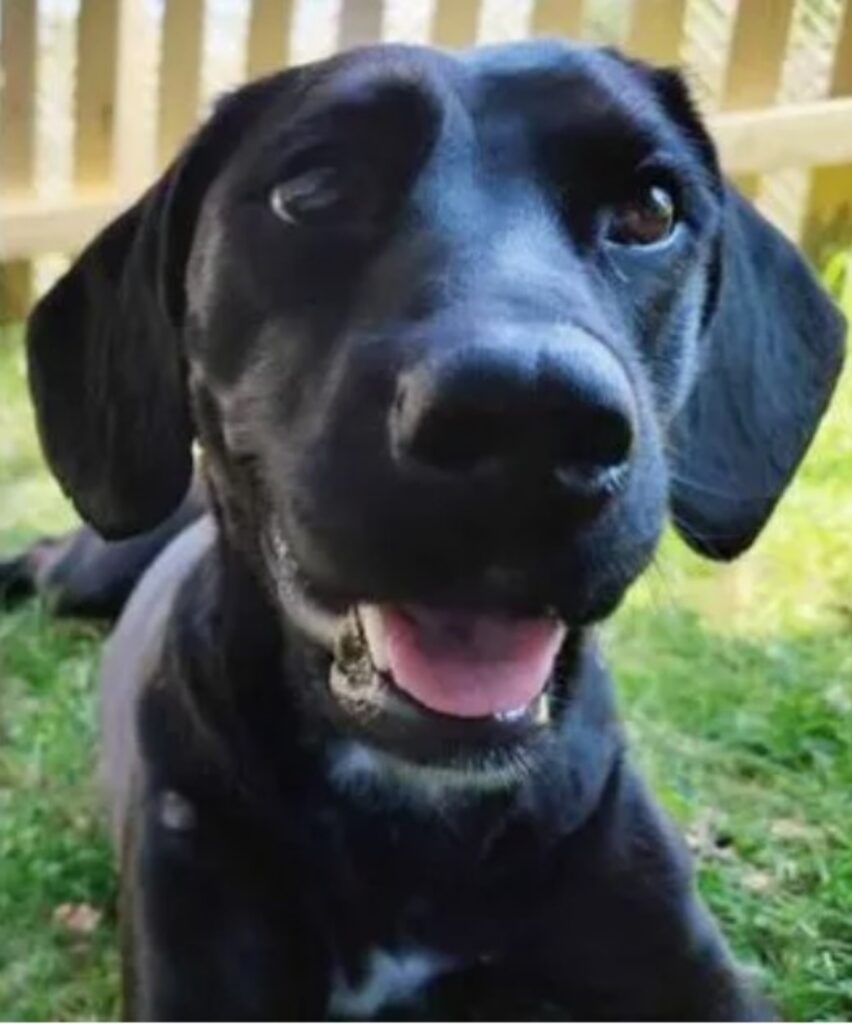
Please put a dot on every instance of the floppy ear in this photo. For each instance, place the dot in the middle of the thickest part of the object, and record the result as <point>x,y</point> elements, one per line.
<point>105,362</point>
<point>770,357</point>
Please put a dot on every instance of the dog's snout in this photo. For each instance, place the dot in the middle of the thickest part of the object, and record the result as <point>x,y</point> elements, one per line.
<point>565,411</point>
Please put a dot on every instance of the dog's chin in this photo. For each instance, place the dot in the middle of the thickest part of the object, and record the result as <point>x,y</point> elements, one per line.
<point>440,694</point>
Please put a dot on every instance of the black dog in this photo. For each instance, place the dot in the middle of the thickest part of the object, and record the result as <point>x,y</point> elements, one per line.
<point>452,334</point>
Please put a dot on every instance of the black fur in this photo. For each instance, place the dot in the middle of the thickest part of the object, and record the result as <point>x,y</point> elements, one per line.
<point>272,842</point>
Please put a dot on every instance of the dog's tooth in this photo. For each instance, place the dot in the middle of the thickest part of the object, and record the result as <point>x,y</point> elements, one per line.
<point>374,633</point>
<point>541,710</point>
<point>512,714</point>
<point>349,647</point>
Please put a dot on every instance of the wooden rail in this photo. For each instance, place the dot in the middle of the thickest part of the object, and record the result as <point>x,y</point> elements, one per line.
<point>113,157</point>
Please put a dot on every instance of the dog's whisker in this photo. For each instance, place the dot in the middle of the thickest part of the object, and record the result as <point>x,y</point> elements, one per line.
<point>323,627</point>
<point>702,487</point>
<point>657,582</point>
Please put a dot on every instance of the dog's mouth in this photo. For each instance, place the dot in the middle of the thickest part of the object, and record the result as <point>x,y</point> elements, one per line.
<point>426,682</point>
<point>459,664</point>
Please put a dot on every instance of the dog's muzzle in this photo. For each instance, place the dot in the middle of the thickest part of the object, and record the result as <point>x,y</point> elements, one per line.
<point>421,680</point>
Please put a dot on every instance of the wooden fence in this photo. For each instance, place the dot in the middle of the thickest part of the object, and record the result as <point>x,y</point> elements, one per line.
<point>773,76</point>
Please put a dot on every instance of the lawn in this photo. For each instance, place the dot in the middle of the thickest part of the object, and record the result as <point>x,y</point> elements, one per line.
<point>736,684</point>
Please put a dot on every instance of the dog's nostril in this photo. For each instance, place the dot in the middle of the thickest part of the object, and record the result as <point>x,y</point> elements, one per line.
<point>599,440</point>
<point>455,440</point>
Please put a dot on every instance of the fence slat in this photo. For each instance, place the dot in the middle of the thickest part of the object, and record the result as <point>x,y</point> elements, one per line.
<point>180,75</point>
<point>828,216</point>
<point>94,110</point>
<point>756,54</point>
<point>17,96</point>
<point>557,18</point>
<point>840,83</point>
<point>655,31</point>
<point>133,159</point>
<point>16,290</point>
<point>755,62</point>
<point>360,23</point>
<point>455,22</point>
<point>270,25</point>
<point>17,124</point>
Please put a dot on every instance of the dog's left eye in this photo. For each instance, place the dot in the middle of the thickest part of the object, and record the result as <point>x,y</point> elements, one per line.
<point>645,219</point>
<point>313,197</point>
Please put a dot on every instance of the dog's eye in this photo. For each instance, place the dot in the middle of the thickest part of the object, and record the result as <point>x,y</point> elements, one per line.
<point>312,197</point>
<point>643,220</point>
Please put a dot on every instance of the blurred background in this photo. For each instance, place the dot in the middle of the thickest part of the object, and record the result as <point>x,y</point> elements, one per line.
<point>736,681</point>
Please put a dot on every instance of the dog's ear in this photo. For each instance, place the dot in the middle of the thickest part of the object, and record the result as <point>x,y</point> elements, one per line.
<point>106,367</point>
<point>769,359</point>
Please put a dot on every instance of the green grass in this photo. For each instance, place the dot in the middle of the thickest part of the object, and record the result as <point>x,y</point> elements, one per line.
<point>736,684</point>
<point>52,842</point>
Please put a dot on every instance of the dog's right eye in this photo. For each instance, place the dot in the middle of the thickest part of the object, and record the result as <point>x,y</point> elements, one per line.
<point>313,197</point>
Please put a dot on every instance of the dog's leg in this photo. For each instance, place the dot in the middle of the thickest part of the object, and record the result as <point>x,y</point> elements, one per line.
<point>210,930</point>
<point>24,575</point>
<point>636,942</point>
<point>83,575</point>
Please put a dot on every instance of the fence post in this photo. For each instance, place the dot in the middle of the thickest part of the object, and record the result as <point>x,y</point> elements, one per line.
<point>755,61</point>
<point>180,75</point>
<point>828,216</point>
<point>455,22</point>
<point>133,163</point>
<point>270,24</point>
<point>17,154</point>
<point>94,108</point>
<point>557,18</point>
<point>110,152</point>
<point>655,31</point>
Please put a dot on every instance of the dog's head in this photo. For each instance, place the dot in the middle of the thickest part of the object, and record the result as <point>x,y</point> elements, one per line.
<point>454,334</point>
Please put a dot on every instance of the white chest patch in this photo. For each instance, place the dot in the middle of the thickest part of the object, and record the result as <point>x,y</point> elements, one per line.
<point>389,978</point>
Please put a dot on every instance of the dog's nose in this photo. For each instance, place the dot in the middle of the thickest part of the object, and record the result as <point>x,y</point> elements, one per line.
<point>565,411</point>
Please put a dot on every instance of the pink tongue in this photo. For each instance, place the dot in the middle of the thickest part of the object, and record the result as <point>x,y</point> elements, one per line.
<point>469,665</point>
